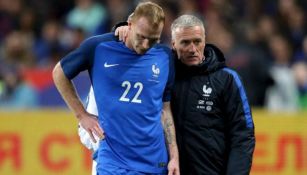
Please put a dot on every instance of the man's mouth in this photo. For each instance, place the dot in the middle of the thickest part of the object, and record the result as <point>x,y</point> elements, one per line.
<point>192,57</point>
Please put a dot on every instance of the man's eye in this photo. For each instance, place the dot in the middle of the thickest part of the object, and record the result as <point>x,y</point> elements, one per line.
<point>185,42</point>
<point>139,37</point>
<point>197,42</point>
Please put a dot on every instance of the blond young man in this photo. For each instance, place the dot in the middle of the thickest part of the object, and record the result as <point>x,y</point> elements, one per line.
<point>131,82</point>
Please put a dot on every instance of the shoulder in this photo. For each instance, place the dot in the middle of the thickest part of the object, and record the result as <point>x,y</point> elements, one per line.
<point>97,39</point>
<point>163,50</point>
<point>232,76</point>
<point>226,76</point>
<point>230,72</point>
<point>162,47</point>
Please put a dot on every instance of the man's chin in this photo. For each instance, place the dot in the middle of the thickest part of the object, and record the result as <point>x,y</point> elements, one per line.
<point>191,63</point>
<point>141,52</point>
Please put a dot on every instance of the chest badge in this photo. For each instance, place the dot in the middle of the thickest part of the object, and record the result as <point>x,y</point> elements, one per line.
<point>155,73</point>
<point>207,91</point>
<point>205,103</point>
<point>155,69</point>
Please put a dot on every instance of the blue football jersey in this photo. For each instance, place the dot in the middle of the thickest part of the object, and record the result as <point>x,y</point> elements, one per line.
<point>129,90</point>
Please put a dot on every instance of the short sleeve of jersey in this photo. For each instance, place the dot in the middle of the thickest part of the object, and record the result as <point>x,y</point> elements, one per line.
<point>171,77</point>
<point>82,58</point>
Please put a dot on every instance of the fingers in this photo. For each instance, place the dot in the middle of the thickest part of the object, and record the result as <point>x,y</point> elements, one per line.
<point>173,172</point>
<point>91,125</point>
<point>96,135</point>
<point>119,33</point>
<point>122,33</point>
<point>98,131</point>
<point>116,32</point>
<point>173,168</point>
<point>170,171</point>
<point>92,136</point>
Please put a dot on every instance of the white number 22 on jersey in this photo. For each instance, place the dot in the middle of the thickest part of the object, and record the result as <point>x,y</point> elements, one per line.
<point>127,85</point>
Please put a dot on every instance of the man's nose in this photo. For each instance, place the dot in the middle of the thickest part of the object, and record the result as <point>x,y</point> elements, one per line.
<point>192,48</point>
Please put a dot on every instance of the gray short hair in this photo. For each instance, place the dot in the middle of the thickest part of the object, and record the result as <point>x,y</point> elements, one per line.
<point>185,21</point>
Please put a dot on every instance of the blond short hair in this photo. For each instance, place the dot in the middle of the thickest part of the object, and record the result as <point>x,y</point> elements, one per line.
<point>151,11</point>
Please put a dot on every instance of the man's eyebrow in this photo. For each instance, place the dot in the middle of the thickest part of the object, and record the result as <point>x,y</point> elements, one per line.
<point>150,38</point>
<point>185,40</point>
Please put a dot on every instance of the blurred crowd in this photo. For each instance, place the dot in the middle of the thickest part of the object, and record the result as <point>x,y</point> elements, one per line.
<point>264,40</point>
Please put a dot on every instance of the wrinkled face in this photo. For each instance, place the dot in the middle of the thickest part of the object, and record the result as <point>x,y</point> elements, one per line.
<point>142,35</point>
<point>189,43</point>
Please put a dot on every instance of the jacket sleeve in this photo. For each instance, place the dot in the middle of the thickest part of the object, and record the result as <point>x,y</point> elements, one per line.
<point>240,126</point>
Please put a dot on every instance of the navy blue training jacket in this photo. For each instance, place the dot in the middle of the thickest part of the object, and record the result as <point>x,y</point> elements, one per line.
<point>214,125</point>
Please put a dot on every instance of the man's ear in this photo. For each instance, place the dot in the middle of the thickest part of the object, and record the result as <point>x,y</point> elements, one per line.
<point>129,24</point>
<point>173,45</point>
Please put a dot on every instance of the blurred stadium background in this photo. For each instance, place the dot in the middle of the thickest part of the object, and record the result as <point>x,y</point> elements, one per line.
<point>264,40</point>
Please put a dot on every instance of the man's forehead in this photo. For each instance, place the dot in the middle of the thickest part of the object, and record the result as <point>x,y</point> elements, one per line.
<point>150,37</point>
<point>147,33</point>
<point>143,22</point>
<point>145,29</point>
<point>190,29</point>
<point>187,32</point>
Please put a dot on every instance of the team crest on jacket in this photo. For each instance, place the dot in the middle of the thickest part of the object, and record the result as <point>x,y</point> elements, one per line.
<point>205,102</point>
<point>207,91</point>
